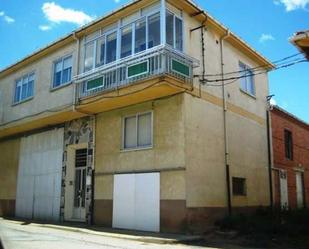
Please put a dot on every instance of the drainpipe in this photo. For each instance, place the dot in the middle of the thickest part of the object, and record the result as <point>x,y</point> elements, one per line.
<point>77,68</point>
<point>269,147</point>
<point>226,149</point>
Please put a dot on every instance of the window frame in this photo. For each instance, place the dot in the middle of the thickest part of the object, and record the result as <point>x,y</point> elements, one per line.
<point>14,102</point>
<point>174,29</point>
<point>118,29</point>
<point>137,147</point>
<point>244,181</point>
<point>52,87</point>
<point>247,69</point>
<point>288,148</point>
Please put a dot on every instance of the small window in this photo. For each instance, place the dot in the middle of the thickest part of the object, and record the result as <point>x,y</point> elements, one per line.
<point>174,34</point>
<point>111,47</point>
<point>137,131</point>
<point>24,88</point>
<point>288,141</point>
<point>126,41</point>
<point>239,186</point>
<point>246,80</point>
<point>62,71</point>
<point>154,36</point>
<point>140,35</point>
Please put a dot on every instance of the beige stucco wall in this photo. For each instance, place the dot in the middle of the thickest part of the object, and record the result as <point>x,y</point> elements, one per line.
<point>231,58</point>
<point>167,152</point>
<point>44,98</point>
<point>9,167</point>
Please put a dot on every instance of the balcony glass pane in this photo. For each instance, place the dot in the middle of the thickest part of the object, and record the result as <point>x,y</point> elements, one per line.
<point>111,45</point>
<point>126,41</point>
<point>140,36</point>
<point>154,35</point>
<point>100,53</point>
<point>178,34</point>
<point>170,29</point>
<point>89,56</point>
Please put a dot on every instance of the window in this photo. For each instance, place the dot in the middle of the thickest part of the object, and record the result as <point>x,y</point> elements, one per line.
<point>154,36</point>
<point>24,88</point>
<point>246,82</point>
<point>137,131</point>
<point>126,41</point>
<point>288,141</point>
<point>62,71</point>
<point>111,47</point>
<point>239,186</point>
<point>88,63</point>
<point>174,31</point>
<point>140,36</point>
<point>100,51</point>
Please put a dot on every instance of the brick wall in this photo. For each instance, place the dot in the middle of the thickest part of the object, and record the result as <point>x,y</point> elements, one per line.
<point>280,121</point>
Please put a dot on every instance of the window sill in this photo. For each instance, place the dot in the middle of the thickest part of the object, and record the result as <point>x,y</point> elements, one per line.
<point>23,101</point>
<point>248,94</point>
<point>136,149</point>
<point>52,89</point>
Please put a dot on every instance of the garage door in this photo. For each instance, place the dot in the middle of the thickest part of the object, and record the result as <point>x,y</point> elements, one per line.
<point>136,202</point>
<point>39,176</point>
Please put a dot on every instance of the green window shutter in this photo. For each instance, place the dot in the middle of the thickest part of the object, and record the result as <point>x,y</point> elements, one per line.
<point>138,69</point>
<point>91,84</point>
<point>180,68</point>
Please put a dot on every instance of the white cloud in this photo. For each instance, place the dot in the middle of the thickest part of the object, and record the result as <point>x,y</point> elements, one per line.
<point>266,37</point>
<point>44,27</point>
<point>116,1</point>
<point>9,19</point>
<point>6,18</point>
<point>292,4</point>
<point>57,14</point>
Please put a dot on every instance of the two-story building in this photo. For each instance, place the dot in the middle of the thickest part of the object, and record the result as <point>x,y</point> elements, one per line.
<point>132,121</point>
<point>290,142</point>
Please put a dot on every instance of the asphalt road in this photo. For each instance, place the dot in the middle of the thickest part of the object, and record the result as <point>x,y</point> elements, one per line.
<point>15,235</point>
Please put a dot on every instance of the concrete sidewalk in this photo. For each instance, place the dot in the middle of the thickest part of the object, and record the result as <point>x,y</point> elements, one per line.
<point>146,237</point>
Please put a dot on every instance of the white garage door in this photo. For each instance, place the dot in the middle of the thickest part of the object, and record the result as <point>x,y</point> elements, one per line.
<point>137,202</point>
<point>39,176</point>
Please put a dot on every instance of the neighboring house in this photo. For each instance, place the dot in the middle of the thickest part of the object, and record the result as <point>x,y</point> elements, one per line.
<point>115,124</point>
<point>301,41</point>
<point>290,142</point>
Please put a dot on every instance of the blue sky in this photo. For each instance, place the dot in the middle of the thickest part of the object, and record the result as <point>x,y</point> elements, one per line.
<point>265,24</point>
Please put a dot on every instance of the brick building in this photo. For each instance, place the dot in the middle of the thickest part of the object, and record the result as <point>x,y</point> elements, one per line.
<point>290,142</point>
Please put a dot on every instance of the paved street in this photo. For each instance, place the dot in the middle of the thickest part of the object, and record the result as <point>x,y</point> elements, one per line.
<point>31,236</point>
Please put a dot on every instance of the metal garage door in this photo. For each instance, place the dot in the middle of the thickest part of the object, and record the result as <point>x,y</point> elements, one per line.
<point>39,176</point>
<point>136,202</point>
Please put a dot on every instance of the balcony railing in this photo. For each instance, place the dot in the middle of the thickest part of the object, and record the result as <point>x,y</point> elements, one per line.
<point>158,61</point>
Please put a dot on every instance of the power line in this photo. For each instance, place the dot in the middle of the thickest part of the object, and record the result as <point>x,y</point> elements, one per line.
<point>280,61</point>
<point>234,79</point>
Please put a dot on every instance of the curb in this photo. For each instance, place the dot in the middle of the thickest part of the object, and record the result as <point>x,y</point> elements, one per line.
<point>146,239</point>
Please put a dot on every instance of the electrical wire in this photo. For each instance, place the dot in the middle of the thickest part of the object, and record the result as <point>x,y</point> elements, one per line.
<point>279,61</point>
<point>234,79</point>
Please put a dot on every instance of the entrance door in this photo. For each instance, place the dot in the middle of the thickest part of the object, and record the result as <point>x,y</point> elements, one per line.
<point>283,189</point>
<point>79,212</point>
<point>299,189</point>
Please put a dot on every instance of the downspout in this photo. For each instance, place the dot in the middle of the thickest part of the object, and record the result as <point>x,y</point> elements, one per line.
<point>77,69</point>
<point>269,148</point>
<point>226,148</point>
